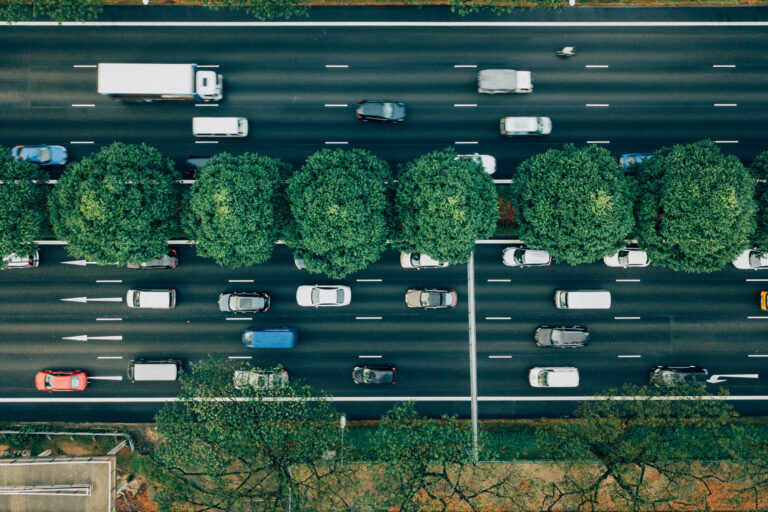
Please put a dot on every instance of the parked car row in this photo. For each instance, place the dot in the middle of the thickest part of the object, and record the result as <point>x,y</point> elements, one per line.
<point>663,376</point>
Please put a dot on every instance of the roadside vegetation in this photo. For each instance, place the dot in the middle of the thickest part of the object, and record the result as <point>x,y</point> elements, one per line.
<point>691,207</point>
<point>228,448</point>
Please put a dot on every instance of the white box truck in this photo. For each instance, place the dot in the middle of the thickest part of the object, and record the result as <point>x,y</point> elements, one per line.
<point>148,82</point>
<point>501,81</point>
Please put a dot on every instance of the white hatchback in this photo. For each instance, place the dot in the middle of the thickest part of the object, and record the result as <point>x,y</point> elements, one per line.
<point>323,295</point>
<point>751,259</point>
<point>418,260</point>
<point>524,257</point>
<point>628,257</point>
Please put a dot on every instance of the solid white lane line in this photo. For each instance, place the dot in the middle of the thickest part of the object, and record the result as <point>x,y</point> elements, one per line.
<point>78,105</point>
<point>499,280</point>
<point>726,142</point>
<point>336,105</point>
<point>627,280</point>
<point>206,142</point>
<point>109,357</point>
<point>757,318</point>
<point>465,104</point>
<point>369,357</point>
<point>239,357</point>
<point>109,319</point>
<point>106,377</point>
<point>628,356</point>
<point>338,66</point>
<point>81,142</point>
<point>109,280</point>
<point>465,65</point>
<point>368,280</point>
<point>241,280</point>
<point>499,357</point>
<point>598,104</point>
<point>466,142</point>
<point>206,104</point>
<point>342,142</point>
<point>239,318</point>
<point>723,65</point>
<point>598,142</point>
<point>725,104</point>
<point>757,355</point>
<point>367,318</point>
<point>358,24</point>
<point>756,280</point>
<point>84,66</point>
<point>498,318</point>
<point>500,241</point>
<point>596,66</point>
<point>626,318</point>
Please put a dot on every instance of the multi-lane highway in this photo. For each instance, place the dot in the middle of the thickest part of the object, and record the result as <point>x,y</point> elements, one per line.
<point>657,317</point>
<point>630,88</point>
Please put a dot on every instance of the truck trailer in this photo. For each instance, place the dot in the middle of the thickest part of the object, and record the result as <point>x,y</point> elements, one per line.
<point>149,82</point>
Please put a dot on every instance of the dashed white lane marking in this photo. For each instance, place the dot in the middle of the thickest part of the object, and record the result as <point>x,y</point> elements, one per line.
<point>369,357</point>
<point>755,280</point>
<point>103,281</point>
<point>241,280</point>
<point>629,356</point>
<point>723,65</point>
<point>627,280</point>
<point>83,105</point>
<point>206,104</point>
<point>499,280</point>
<point>726,142</point>
<point>109,319</point>
<point>598,142</point>
<point>726,104</point>
<point>85,337</point>
<point>214,66</point>
<point>596,66</point>
<point>206,142</point>
<point>84,66</point>
<point>81,142</point>
<point>368,280</point>
<point>239,318</point>
<point>336,105</point>
<point>106,377</point>
<point>499,357</point>
<point>498,318</point>
<point>626,318</point>
<point>339,66</point>
<point>367,318</point>
<point>465,104</point>
<point>109,357</point>
<point>338,142</point>
<point>757,355</point>
<point>757,318</point>
<point>502,182</point>
<point>598,104</point>
<point>465,65</point>
<point>466,142</point>
<point>239,357</point>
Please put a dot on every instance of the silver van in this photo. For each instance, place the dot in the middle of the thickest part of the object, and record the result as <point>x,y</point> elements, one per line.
<point>142,370</point>
<point>151,299</point>
<point>583,299</point>
<point>219,127</point>
<point>14,260</point>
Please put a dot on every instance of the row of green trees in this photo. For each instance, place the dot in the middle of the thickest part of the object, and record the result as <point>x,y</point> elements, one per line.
<point>229,449</point>
<point>337,211</point>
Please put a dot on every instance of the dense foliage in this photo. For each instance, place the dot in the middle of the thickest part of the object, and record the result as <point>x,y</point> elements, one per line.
<point>22,204</point>
<point>57,10</point>
<point>119,205</point>
<point>574,202</point>
<point>759,171</point>
<point>443,206</point>
<point>696,211</point>
<point>233,209</point>
<point>263,9</point>
<point>340,210</point>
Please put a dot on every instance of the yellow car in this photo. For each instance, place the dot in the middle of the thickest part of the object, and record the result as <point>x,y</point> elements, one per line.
<point>763,300</point>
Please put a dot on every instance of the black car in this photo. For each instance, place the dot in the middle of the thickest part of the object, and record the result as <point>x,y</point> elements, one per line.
<point>562,337</point>
<point>387,111</point>
<point>170,260</point>
<point>244,302</point>
<point>671,376</point>
<point>374,374</point>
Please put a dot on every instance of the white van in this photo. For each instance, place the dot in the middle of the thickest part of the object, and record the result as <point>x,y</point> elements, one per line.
<point>151,299</point>
<point>142,370</point>
<point>219,127</point>
<point>583,299</point>
<point>554,377</point>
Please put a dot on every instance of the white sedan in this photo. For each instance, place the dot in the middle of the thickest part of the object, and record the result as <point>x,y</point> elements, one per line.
<point>524,257</point>
<point>323,295</point>
<point>628,257</point>
<point>487,162</point>
<point>418,260</point>
<point>751,259</point>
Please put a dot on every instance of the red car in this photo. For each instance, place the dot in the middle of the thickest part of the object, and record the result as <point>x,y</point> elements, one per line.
<point>58,380</point>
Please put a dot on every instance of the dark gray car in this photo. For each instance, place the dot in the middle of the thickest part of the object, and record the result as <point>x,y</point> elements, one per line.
<point>562,337</point>
<point>374,374</point>
<point>388,111</point>
<point>672,376</point>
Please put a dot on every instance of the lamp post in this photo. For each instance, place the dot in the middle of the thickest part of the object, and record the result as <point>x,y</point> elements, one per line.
<point>343,425</point>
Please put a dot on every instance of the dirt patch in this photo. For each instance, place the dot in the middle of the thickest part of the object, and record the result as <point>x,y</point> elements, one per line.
<point>138,500</point>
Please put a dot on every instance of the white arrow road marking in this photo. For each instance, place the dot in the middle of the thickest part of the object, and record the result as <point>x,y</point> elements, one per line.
<point>107,377</point>
<point>85,337</point>
<point>81,263</point>
<point>716,379</point>
<point>93,299</point>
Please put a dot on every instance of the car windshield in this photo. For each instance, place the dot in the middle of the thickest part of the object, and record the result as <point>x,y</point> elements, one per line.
<point>758,259</point>
<point>45,155</point>
<point>48,381</point>
<point>387,110</point>
<point>543,378</point>
<point>519,256</point>
<point>415,258</point>
<point>136,299</point>
<point>623,257</point>
<point>74,382</point>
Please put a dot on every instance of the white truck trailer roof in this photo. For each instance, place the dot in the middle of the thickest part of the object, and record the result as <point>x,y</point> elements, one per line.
<point>146,79</point>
